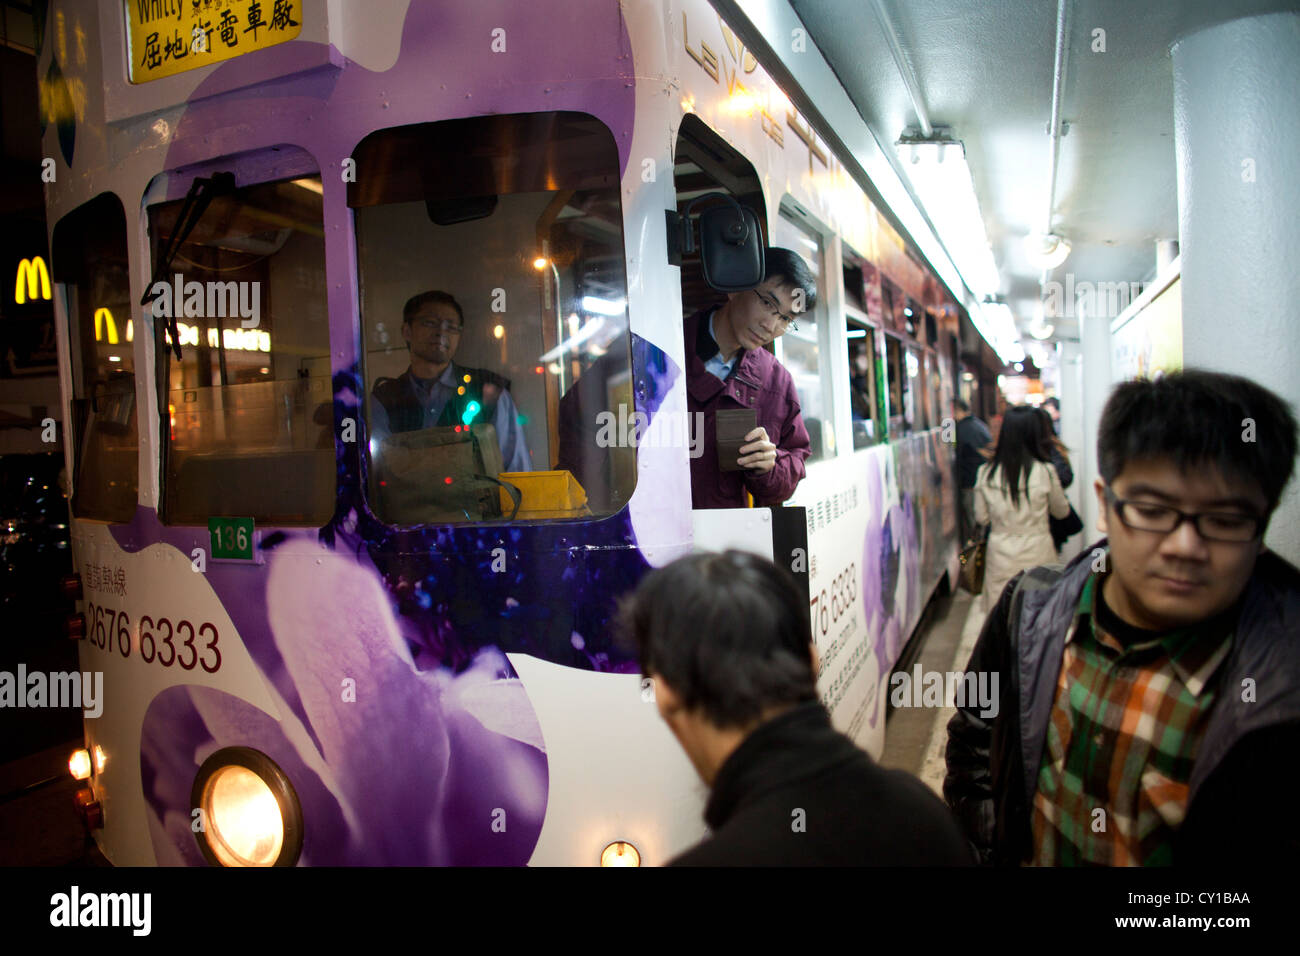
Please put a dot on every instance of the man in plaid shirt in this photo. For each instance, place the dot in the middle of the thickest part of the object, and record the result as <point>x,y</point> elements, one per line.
<point>1150,692</point>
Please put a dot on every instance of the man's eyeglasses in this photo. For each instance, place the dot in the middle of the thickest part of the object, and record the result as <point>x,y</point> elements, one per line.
<point>429,325</point>
<point>1210,525</point>
<point>774,307</point>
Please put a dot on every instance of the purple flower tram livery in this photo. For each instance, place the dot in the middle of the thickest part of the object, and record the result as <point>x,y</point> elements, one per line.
<point>329,641</point>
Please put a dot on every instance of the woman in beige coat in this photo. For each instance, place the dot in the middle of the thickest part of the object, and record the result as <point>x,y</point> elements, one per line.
<point>1014,493</point>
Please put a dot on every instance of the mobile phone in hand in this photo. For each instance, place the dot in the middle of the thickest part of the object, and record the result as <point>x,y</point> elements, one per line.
<point>731,425</point>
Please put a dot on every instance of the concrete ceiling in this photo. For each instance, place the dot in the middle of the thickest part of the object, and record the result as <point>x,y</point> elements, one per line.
<point>984,68</point>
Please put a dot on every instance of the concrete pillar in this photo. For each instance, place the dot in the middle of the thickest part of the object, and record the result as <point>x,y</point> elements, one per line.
<point>1237,135</point>
<point>1166,253</point>
<point>1094,334</point>
<point>1070,391</point>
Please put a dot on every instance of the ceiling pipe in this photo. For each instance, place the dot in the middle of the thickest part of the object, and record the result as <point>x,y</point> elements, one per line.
<point>901,64</point>
<point>1046,241</point>
<point>1058,94</point>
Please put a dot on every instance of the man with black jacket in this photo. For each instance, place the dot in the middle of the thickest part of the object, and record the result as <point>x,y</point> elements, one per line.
<point>1150,709</point>
<point>725,638</point>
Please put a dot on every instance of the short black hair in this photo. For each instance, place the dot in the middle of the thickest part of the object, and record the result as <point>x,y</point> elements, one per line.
<point>1054,402</point>
<point>437,297</point>
<point>961,404</point>
<point>1196,417</point>
<point>789,267</point>
<point>729,632</point>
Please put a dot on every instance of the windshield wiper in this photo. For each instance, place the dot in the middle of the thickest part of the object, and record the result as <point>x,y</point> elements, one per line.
<point>202,192</point>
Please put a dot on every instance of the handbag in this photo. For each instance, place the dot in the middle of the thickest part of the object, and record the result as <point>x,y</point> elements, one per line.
<point>973,556</point>
<point>1062,528</point>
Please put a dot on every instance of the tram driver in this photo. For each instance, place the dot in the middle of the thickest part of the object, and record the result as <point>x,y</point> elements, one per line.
<point>729,369</point>
<point>435,391</point>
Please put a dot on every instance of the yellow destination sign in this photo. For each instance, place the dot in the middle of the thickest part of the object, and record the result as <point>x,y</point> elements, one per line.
<point>165,37</point>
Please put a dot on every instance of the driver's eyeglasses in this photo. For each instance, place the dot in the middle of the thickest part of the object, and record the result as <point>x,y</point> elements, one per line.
<point>774,307</point>
<point>429,325</point>
<point>1210,525</point>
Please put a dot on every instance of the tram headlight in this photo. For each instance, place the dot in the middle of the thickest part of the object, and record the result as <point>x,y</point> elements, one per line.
<point>250,815</point>
<point>620,853</point>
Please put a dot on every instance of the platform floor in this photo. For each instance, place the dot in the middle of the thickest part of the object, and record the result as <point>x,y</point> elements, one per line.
<point>915,736</point>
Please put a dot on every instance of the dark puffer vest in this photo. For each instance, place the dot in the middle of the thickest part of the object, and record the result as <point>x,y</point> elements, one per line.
<point>405,413</point>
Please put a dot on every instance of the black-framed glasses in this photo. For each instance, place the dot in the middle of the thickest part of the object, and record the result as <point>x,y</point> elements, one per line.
<point>773,306</point>
<point>429,325</point>
<point>1210,525</point>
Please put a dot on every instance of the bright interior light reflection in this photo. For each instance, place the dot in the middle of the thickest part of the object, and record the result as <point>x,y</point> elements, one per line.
<point>244,824</point>
<point>593,303</point>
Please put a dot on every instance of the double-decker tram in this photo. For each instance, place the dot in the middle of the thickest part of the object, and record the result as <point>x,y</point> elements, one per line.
<point>328,638</point>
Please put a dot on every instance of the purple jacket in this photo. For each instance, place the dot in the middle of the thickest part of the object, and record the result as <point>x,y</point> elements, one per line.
<point>760,382</point>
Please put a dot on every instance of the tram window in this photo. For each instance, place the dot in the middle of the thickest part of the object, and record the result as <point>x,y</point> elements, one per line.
<point>898,387</point>
<point>854,286</point>
<point>934,388</point>
<point>799,349</point>
<point>250,409</point>
<point>913,400</point>
<point>501,239</point>
<point>888,310</point>
<point>911,317</point>
<point>862,382</point>
<point>90,264</point>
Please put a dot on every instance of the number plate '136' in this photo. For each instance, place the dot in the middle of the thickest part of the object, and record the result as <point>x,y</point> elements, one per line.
<point>232,538</point>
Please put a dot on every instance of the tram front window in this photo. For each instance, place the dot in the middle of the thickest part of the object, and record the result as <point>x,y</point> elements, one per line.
<point>494,319</point>
<point>90,263</point>
<point>249,426</point>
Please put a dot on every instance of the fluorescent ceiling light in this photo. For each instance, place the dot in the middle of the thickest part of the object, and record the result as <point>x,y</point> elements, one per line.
<point>942,181</point>
<point>998,326</point>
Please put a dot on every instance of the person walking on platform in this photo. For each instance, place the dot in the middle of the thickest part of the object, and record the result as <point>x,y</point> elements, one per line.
<point>1014,493</point>
<point>725,639</point>
<point>1149,695</point>
<point>1062,529</point>
<point>974,444</point>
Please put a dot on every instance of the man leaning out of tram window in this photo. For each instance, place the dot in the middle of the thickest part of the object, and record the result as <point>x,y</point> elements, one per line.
<point>1154,684</point>
<point>435,391</point>
<point>724,637</point>
<point>728,366</point>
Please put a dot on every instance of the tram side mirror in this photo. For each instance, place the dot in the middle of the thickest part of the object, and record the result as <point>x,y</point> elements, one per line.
<point>731,248</point>
<point>730,244</point>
